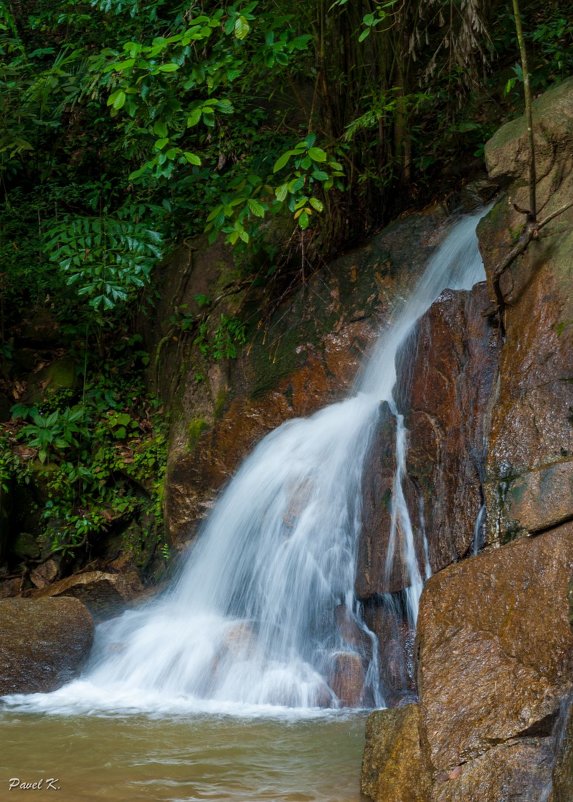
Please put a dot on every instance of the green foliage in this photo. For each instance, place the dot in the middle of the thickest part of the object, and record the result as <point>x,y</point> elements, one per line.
<point>100,460</point>
<point>12,468</point>
<point>54,433</point>
<point>224,342</point>
<point>105,259</point>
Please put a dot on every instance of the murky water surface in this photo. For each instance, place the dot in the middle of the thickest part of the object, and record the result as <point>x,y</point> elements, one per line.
<point>141,759</point>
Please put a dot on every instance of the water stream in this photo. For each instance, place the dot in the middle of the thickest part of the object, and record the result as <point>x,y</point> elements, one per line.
<point>254,620</point>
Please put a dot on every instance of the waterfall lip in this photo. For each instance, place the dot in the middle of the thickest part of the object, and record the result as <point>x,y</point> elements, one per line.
<point>249,627</point>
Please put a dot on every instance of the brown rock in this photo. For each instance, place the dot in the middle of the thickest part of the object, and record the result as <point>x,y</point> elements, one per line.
<point>392,768</point>
<point>530,459</point>
<point>540,499</point>
<point>43,643</point>
<point>347,678</point>
<point>445,393</point>
<point>563,768</point>
<point>351,632</point>
<point>11,587</point>
<point>495,647</point>
<point>513,771</point>
<point>378,480</point>
<point>103,594</point>
<point>386,617</point>
<point>44,573</point>
<point>507,152</point>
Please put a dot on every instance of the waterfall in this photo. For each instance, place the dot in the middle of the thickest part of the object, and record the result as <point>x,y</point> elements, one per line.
<point>479,531</point>
<point>264,611</point>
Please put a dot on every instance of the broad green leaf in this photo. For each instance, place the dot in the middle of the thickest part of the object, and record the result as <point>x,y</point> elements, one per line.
<point>281,161</point>
<point>296,184</point>
<point>117,99</point>
<point>192,158</point>
<point>170,67</point>
<point>281,192</point>
<point>214,213</point>
<point>160,128</point>
<point>316,204</point>
<point>304,221</point>
<point>317,154</point>
<point>256,208</point>
<point>194,117</point>
<point>242,27</point>
<point>160,143</point>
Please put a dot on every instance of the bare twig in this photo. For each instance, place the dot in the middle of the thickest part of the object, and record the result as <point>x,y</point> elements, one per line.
<point>530,232</point>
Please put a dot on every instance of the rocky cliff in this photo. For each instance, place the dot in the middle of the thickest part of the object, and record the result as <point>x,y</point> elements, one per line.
<point>488,399</point>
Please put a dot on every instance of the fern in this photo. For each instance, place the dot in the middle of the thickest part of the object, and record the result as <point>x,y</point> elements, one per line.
<point>106,259</point>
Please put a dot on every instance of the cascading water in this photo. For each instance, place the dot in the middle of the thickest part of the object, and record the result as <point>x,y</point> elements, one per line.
<point>265,603</point>
<point>479,533</point>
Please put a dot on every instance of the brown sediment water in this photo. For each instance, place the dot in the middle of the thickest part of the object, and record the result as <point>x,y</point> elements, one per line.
<point>142,759</point>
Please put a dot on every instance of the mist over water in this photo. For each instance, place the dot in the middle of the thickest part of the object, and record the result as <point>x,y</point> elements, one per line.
<point>253,623</point>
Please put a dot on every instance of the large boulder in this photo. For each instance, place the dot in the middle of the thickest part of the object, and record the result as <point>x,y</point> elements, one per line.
<point>529,483</point>
<point>495,677</point>
<point>43,643</point>
<point>495,662</point>
<point>392,769</point>
<point>446,372</point>
<point>104,594</point>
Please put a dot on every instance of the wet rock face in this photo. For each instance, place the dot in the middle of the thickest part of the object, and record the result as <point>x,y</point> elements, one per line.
<point>347,678</point>
<point>496,654</point>
<point>379,470</point>
<point>387,618</point>
<point>43,643</point>
<point>495,643</point>
<point>445,380</point>
<point>445,395</point>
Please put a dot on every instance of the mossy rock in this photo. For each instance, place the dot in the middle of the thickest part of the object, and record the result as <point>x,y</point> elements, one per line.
<point>51,379</point>
<point>25,547</point>
<point>195,429</point>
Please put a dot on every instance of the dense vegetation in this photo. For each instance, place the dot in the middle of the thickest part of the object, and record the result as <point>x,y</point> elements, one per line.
<point>289,130</point>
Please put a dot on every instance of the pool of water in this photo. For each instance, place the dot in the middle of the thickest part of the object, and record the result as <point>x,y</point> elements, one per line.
<point>137,758</point>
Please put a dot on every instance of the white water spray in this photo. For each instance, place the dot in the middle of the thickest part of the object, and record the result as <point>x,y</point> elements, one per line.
<point>254,619</point>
